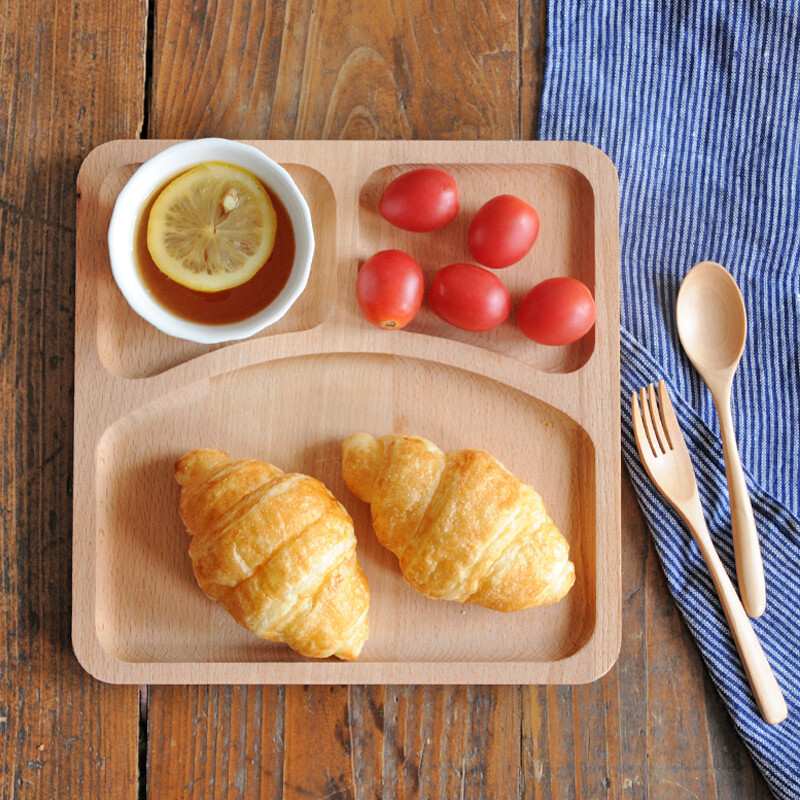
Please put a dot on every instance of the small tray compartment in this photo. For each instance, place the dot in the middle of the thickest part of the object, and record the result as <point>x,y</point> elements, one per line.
<point>293,393</point>
<point>564,201</point>
<point>132,348</point>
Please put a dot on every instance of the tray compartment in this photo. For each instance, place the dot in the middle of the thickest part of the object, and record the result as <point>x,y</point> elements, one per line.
<point>132,348</point>
<point>564,200</point>
<point>148,607</point>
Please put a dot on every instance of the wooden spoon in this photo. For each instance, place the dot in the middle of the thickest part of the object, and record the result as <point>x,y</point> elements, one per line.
<point>712,326</point>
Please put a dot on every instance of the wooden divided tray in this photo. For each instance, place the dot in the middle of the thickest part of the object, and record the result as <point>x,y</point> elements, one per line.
<point>292,393</point>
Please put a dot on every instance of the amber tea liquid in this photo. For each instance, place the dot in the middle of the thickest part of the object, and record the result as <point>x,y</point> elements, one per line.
<point>230,305</point>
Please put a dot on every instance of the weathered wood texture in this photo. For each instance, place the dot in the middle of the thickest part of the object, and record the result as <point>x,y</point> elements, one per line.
<point>654,725</point>
<point>324,69</point>
<point>533,41</point>
<point>71,76</point>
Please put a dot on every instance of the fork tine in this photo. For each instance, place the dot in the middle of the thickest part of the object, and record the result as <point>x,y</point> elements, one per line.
<point>639,433</point>
<point>648,422</point>
<point>671,427</point>
<point>656,417</point>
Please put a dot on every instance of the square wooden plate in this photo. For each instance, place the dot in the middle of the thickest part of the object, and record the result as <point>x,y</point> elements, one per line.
<point>291,394</point>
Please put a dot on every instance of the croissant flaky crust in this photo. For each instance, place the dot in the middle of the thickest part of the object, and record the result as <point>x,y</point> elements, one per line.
<point>462,526</point>
<point>277,550</point>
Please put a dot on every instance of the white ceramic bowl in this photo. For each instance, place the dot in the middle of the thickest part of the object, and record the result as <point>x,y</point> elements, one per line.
<point>155,173</point>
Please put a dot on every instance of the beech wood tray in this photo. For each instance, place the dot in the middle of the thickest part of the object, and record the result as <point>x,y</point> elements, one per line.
<point>291,394</point>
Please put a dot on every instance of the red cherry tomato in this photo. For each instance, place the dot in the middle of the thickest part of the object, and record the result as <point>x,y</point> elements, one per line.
<point>389,289</point>
<point>421,200</point>
<point>503,231</point>
<point>469,297</point>
<point>557,311</point>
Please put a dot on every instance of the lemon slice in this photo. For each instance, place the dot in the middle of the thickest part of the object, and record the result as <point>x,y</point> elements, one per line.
<point>212,228</point>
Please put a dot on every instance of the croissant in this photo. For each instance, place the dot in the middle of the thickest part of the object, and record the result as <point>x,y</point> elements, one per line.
<point>462,526</point>
<point>277,550</point>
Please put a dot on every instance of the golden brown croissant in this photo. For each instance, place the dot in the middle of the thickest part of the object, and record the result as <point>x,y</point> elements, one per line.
<point>277,550</point>
<point>462,526</point>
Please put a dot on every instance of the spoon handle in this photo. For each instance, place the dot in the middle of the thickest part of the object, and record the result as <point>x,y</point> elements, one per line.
<point>749,566</point>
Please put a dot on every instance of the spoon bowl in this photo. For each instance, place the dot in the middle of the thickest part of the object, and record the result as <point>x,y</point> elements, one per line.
<point>712,322</point>
<point>712,325</point>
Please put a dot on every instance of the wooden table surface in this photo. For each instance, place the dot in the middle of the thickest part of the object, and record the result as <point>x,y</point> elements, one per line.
<point>76,74</point>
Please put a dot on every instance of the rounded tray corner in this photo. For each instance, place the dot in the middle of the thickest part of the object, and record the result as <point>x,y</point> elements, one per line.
<point>94,657</point>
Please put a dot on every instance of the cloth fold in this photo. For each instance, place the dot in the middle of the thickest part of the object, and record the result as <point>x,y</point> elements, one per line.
<point>698,106</point>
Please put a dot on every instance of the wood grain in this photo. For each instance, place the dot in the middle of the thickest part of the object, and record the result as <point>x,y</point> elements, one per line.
<point>533,48</point>
<point>371,69</point>
<point>319,766</point>
<point>237,740</point>
<point>71,76</point>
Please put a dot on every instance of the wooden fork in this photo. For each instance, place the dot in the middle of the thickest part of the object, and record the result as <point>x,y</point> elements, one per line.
<point>665,456</point>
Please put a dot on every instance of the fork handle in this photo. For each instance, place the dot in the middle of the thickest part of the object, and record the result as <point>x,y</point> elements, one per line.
<point>766,691</point>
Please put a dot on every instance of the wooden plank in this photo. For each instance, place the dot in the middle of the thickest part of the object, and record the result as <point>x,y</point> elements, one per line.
<point>491,760</point>
<point>71,76</point>
<point>367,726</point>
<point>219,741</point>
<point>371,69</point>
<point>317,744</point>
<point>299,742</point>
<point>451,741</point>
<point>533,48</point>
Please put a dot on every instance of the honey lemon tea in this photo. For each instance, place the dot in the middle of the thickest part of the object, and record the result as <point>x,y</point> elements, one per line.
<point>214,245</point>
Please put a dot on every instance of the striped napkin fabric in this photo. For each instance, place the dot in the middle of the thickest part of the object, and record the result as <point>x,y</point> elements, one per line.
<point>698,104</point>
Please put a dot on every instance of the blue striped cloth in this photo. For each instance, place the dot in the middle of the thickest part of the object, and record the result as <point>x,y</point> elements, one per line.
<point>698,104</point>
